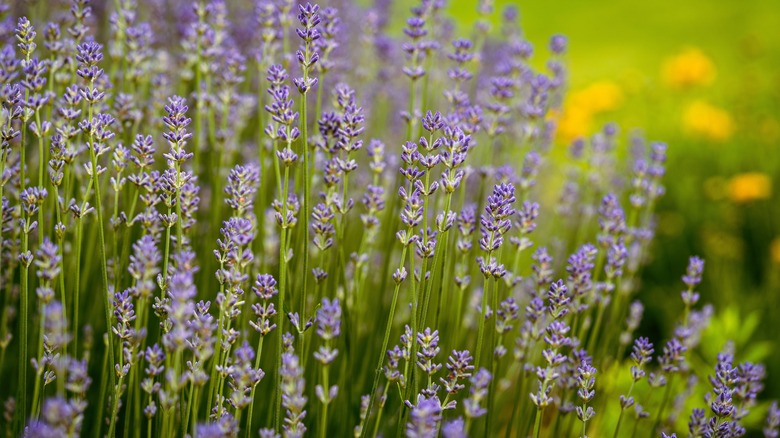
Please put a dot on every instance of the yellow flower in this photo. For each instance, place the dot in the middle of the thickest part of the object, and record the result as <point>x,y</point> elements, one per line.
<point>690,67</point>
<point>582,105</point>
<point>748,187</point>
<point>597,97</point>
<point>701,119</point>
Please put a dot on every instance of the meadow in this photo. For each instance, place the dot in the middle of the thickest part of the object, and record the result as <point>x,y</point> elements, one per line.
<point>383,218</point>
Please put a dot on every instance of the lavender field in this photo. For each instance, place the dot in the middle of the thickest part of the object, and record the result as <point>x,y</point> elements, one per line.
<point>281,219</point>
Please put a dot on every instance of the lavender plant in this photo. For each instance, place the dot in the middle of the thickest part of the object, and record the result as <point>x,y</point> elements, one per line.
<point>159,312</point>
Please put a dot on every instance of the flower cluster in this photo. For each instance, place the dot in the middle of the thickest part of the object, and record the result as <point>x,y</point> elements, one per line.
<point>256,261</point>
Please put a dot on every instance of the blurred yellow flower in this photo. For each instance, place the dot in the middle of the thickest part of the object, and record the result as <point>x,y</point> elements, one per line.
<point>582,105</point>
<point>774,250</point>
<point>690,67</point>
<point>748,187</point>
<point>701,119</point>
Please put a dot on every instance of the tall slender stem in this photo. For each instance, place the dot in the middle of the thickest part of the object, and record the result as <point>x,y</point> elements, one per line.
<point>385,341</point>
<point>21,409</point>
<point>101,236</point>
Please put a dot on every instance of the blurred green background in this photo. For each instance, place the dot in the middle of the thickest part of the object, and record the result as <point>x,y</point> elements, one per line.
<point>704,77</point>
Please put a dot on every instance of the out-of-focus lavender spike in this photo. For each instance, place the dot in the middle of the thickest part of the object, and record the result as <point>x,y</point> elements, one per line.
<point>478,393</point>
<point>454,429</point>
<point>694,272</point>
<point>293,398</point>
<point>542,267</point>
<point>243,182</point>
<point>772,428</point>
<point>181,291</point>
<point>673,356</point>
<point>424,418</point>
<point>329,319</point>
<point>224,426</point>
<point>559,299</point>
<point>243,376</point>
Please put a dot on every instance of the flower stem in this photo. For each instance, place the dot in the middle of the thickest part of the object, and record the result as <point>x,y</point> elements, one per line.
<point>385,341</point>
<point>21,409</point>
<point>538,422</point>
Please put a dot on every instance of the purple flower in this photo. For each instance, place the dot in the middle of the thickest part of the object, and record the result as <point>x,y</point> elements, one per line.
<point>177,122</point>
<point>580,267</point>
<point>611,220</point>
<point>243,377</point>
<point>691,279</point>
<point>224,426</point>
<point>542,268</point>
<point>25,34</point>
<point>293,398</point>
<point>459,367</point>
<point>307,56</point>
<point>478,393</point>
<point>495,222</point>
<point>429,349</point>
<point>180,308</point>
<point>454,429</point>
<point>243,182</point>
<point>559,299</point>
<point>673,356</point>
<point>144,265</point>
<point>558,44</point>
<point>772,428</point>
<point>89,54</point>
<point>329,319</point>
<point>506,313</point>
<point>697,425</point>
<point>322,225</point>
<point>424,418</point>
<point>586,379</point>
<point>48,261</point>
<point>641,354</point>
<point>265,289</point>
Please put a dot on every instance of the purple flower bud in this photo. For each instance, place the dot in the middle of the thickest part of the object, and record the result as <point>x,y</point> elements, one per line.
<point>48,261</point>
<point>558,44</point>
<point>694,272</point>
<point>293,398</point>
<point>673,356</point>
<point>772,428</point>
<point>88,55</point>
<point>478,394</point>
<point>454,429</point>
<point>329,319</point>
<point>424,418</point>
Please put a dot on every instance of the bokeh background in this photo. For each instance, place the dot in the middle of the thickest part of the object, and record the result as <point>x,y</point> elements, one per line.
<point>703,76</point>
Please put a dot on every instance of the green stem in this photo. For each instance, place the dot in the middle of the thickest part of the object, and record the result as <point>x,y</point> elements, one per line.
<point>538,422</point>
<point>385,341</point>
<point>102,249</point>
<point>282,291</point>
<point>324,414</point>
<point>257,365</point>
<point>77,287</point>
<point>481,331</point>
<point>101,405</point>
<point>620,420</point>
<point>41,165</point>
<point>662,408</point>
<point>21,409</point>
<point>306,200</point>
<point>39,374</point>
